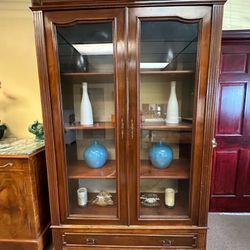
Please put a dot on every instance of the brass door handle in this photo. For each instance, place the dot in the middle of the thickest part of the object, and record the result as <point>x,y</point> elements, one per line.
<point>9,164</point>
<point>214,143</point>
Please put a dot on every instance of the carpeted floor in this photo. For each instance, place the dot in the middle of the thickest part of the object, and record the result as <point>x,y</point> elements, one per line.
<point>226,232</point>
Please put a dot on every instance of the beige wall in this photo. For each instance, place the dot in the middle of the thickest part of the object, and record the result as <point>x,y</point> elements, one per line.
<point>237,14</point>
<point>19,92</point>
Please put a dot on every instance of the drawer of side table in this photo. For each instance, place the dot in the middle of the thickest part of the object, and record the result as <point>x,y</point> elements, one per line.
<point>126,240</point>
<point>9,164</point>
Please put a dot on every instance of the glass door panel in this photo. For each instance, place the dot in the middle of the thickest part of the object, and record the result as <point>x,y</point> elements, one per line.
<point>89,110</point>
<point>168,50</point>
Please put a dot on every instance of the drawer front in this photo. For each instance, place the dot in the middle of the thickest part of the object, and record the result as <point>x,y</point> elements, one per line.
<point>137,240</point>
<point>9,164</point>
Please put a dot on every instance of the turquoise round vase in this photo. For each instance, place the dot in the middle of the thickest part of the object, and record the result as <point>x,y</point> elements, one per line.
<point>95,155</point>
<point>160,155</point>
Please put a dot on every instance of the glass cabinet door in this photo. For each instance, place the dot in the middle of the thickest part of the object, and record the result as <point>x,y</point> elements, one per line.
<point>91,114</point>
<point>167,67</point>
<point>169,96</point>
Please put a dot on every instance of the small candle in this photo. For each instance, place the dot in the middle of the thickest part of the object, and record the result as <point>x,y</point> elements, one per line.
<point>169,197</point>
<point>82,196</point>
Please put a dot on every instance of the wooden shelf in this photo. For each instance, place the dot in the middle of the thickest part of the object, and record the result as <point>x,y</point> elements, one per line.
<point>98,125</point>
<point>87,73</point>
<point>166,72</point>
<point>143,72</point>
<point>180,209</point>
<point>90,77</point>
<point>179,169</point>
<point>79,170</point>
<point>184,126</point>
<point>93,211</point>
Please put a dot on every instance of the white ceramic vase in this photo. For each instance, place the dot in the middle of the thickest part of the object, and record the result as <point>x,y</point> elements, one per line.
<point>172,108</point>
<point>86,113</point>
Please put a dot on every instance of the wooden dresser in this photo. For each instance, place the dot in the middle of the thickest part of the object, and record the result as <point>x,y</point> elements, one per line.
<point>24,206</point>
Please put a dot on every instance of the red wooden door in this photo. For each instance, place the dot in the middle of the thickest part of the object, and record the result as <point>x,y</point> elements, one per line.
<point>231,161</point>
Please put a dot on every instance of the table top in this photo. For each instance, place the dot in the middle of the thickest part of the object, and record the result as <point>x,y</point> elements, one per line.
<point>19,147</point>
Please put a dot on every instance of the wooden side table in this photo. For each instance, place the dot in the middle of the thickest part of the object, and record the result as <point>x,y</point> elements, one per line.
<point>24,202</point>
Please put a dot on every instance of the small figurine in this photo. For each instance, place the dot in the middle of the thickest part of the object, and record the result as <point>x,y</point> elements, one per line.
<point>37,129</point>
<point>3,127</point>
<point>103,199</point>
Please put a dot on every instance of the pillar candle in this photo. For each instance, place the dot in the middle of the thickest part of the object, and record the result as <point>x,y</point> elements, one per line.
<point>82,196</point>
<point>169,197</point>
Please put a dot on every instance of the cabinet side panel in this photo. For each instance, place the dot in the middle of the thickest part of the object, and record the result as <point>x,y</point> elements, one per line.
<point>213,75</point>
<point>47,115</point>
<point>40,191</point>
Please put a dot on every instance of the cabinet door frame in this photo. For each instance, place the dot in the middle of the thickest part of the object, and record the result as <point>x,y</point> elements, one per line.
<point>57,159</point>
<point>202,15</point>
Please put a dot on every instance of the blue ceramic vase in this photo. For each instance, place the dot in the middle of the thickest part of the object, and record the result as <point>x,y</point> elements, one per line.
<point>160,155</point>
<point>95,155</point>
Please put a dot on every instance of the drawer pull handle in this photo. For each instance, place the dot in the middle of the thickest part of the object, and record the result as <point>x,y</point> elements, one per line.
<point>9,164</point>
<point>90,241</point>
<point>167,243</point>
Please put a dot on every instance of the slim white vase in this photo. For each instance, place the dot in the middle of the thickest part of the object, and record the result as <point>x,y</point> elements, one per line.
<point>86,113</point>
<point>173,108</point>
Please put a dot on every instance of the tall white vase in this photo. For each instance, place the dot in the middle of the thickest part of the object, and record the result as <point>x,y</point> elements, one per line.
<point>172,108</point>
<point>86,113</point>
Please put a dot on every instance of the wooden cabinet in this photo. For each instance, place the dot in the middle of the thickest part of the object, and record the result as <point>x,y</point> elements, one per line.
<point>24,202</point>
<point>137,58</point>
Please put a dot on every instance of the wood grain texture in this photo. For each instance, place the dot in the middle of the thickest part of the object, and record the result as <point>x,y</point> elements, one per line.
<point>231,108</point>
<point>224,176</point>
<point>93,212</point>
<point>232,63</point>
<point>230,191</point>
<point>80,170</point>
<point>236,34</point>
<point>96,126</point>
<point>179,211</point>
<point>127,240</point>
<point>181,126</point>
<point>179,169</point>
<point>46,111</point>
<point>63,4</point>
<point>212,88</point>
<point>24,205</point>
<point>127,217</point>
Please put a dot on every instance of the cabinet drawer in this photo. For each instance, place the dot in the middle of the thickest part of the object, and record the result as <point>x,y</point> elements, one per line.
<point>137,240</point>
<point>8,164</point>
